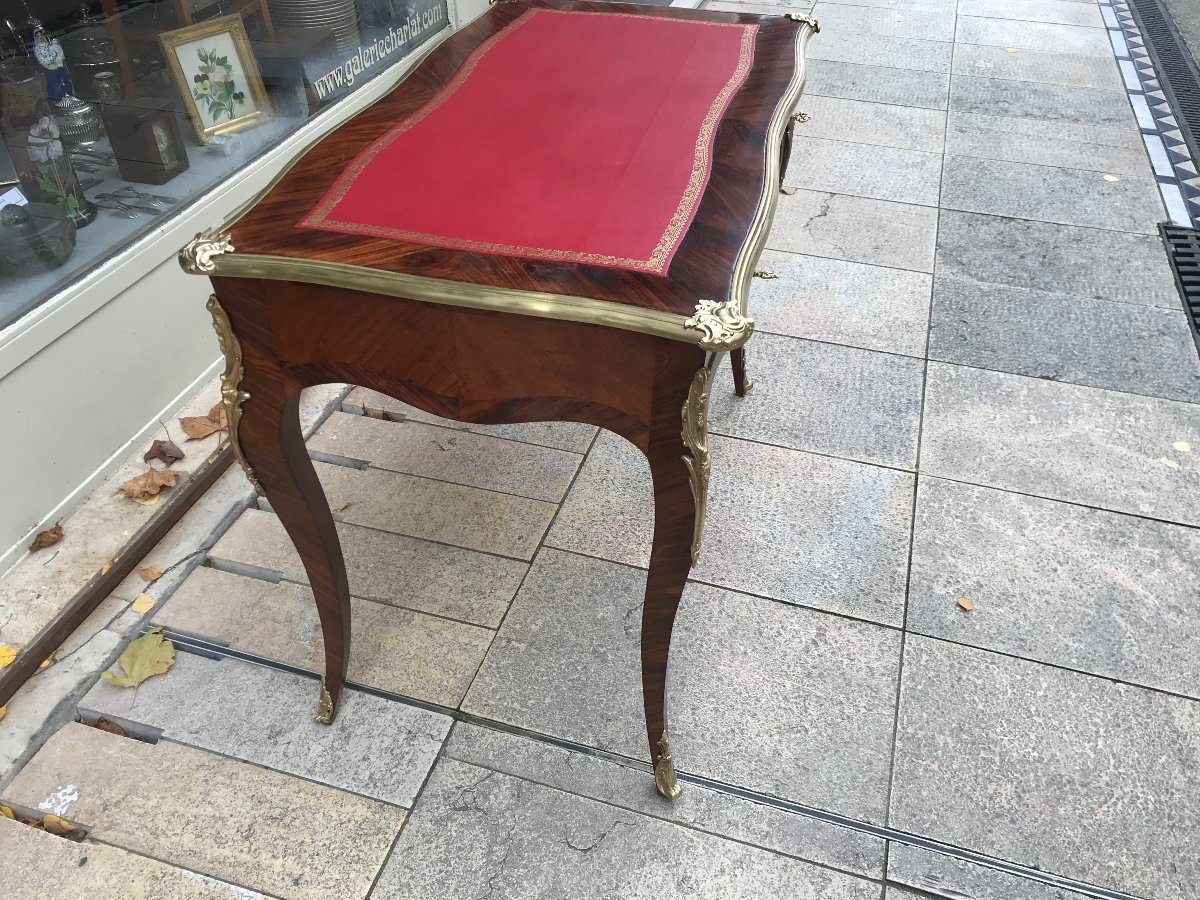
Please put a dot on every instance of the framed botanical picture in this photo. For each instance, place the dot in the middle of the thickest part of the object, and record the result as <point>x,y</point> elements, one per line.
<point>217,75</point>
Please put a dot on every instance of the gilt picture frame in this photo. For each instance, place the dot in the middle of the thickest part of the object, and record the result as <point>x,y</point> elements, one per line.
<point>217,76</point>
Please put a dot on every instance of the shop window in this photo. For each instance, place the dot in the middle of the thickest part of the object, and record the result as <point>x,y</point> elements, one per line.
<point>118,113</point>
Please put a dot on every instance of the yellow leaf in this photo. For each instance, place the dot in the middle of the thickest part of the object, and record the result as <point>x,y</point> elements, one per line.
<point>1010,49</point>
<point>150,573</point>
<point>7,655</point>
<point>56,825</point>
<point>104,568</point>
<point>1182,446</point>
<point>151,654</point>
<point>4,810</point>
<point>965,603</point>
<point>3,713</point>
<point>1111,178</point>
<point>142,603</point>
<point>47,662</point>
<point>148,501</point>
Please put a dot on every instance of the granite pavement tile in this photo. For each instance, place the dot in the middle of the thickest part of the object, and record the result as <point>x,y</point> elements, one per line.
<point>877,84</point>
<point>1049,194</point>
<point>902,52</point>
<point>467,517</point>
<point>785,701</point>
<point>884,124</point>
<point>825,398</point>
<point>945,876</point>
<point>573,436</point>
<point>1121,346</point>
<point>1111,149</point>
<point>450,454</point>
<point>393,649</point>
<point>264,830</point>
<point>895,21</point>
<point>722,814</point>
<point>1027,35</point>
<point>1061,12</point>
<point>899,235</point>
<point>996,96</point>
<point>1049,67</point>
<point>388,568</point>
<point>375,747</point>
<point>1108,594</point>
<point>864,170</point>
<point>1057,770</point>
<point>758,9</point>
<point>1085,445</point>
<point>805,529</point>
<point>38,865</point>
<point>944,8</point>
<point>1058,259</point>
<point>477,833</point>
<point>842,302</point>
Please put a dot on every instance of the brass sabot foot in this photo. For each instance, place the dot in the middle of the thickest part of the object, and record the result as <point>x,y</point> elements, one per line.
<point>664,772</point>
<point>324,714</point>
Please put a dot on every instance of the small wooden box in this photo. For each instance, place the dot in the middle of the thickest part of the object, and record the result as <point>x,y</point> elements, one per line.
<point>146,140</point>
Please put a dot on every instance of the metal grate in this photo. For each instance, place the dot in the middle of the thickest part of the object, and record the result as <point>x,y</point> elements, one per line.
<point>1177,72</point>
<point>1183,251</point>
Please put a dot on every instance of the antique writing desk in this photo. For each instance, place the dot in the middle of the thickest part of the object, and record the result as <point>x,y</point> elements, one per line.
<point>555,216</point>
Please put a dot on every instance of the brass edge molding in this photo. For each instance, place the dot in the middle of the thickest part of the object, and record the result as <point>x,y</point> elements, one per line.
<point>324,714</point>
<point>697,459</point>
<point>199,255</point>
<point>722,326</point>
<point>807,20</point>
<point>232,396</point>
<point>458,293</point>
<point>756,237</point>
<point>664,771</point>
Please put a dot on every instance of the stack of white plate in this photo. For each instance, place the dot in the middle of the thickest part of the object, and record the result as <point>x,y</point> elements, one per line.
<point>338,16</point>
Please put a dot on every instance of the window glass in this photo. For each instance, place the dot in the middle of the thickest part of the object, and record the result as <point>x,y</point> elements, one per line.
<point>115,114</point>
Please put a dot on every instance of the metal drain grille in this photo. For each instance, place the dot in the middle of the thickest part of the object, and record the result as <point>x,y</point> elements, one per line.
<point>1183,251</point>
<point>1178,76</point>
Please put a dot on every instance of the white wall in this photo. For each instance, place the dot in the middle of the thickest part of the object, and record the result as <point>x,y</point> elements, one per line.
<point>85,378</point>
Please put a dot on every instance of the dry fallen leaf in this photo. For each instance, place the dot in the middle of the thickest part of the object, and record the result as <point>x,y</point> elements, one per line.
<point>142,603</point>
<point>1182,446</point>
<point>7,655</point>
<point>151,654</point>
<point>1010,49</point>
<point>4,810</point>
<point>148,484</point>
<point>104,568</point>
<point>150,573</point>
<point>56,825</point>
<point>3,713</point>
<point>965,604</point>
<point>197,427</point>
<point>48,662</point>
<point>165,451</point>
<point>1111,178</point>
<point>47,538</point>
<point>110,727</point>
<point>217,414</point>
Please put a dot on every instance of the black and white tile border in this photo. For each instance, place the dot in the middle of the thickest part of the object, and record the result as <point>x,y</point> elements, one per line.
<point>1174,168</point>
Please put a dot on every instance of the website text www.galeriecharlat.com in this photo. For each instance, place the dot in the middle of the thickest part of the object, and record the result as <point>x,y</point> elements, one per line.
<point>370,54</point>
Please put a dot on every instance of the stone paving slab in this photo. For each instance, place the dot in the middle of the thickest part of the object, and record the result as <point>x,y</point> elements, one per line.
<point>1109,149</point>
<point>393,649</point>
<point>388,568</point>
<point>889,22</point>
<point>1049,194</point>
<point>572,436</point>
<point>943,7</point>
<point>840,302</point>
<point>825,398</point>
<point>864,170</point>
<point>834,118</point>
<point>786,701</point>
<point>1031,100</point>
<point>377,748</point>
<point>902,52</point>
<point>472,518</point>
<point>1057,770</point>
<point>1062,584</point>
<point>264,830</point>
<point>477,833</point>
<point>1122,346</point>
<point>1061,441</point>
<point>1062,259</point>
<point>945,876</point>
<point>758,9</point>
<point>793,526</point>
<point>1027,35</point>
<point>1047,67</point>
<point>449,454</point>
<point>857,229</point>
<point>38,865</point>
<point>706,810</point>
<point>1062,12</point>
<point>877,84</point>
